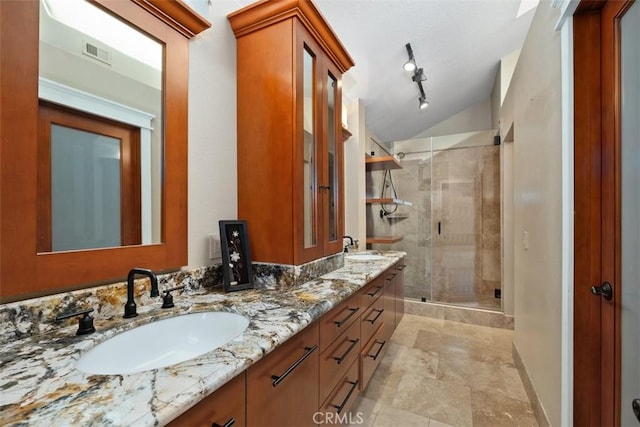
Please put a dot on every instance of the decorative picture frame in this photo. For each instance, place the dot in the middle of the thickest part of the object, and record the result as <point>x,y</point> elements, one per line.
<point>237,272</point>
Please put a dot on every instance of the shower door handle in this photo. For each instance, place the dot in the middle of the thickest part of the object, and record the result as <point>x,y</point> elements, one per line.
<point>439,227</point>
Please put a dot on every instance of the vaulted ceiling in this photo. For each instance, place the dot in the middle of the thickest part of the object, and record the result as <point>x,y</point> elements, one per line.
<point>458,43</point>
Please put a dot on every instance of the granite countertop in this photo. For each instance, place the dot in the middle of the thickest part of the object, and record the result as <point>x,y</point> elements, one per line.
<point>39,384</point>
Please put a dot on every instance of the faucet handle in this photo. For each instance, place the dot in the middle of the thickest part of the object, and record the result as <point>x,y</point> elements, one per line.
<point>85,323</point>
<point>167,299</point>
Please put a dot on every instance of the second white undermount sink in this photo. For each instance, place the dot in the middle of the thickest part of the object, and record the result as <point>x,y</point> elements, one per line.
<point>163,343</point>
<point>364,257</point>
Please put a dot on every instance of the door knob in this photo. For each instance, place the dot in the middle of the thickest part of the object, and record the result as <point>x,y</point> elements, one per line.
<point>605,290</point>
<point>635,404</point>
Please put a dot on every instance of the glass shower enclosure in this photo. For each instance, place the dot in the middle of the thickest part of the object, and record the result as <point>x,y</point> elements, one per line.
<point>451,233</point>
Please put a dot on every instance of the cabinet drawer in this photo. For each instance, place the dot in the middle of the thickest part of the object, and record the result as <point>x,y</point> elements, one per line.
<point>370,357</point>
<point>371,292</point>
<point>334,411</point>
<point>337,359</point>
<point>338,320</point>
<point>282,388</point>
<point>372,319</point>
<point>221,407</point>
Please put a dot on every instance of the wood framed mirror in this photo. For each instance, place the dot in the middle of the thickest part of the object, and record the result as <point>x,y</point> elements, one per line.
<point>26,269</point>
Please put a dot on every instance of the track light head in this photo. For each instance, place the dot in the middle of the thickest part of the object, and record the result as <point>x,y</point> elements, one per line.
<point>410,65</point>
<point>418,76</point>
<point>423,104</point>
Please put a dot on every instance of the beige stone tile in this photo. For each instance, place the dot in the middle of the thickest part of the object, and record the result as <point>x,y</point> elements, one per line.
<point>436,423</point>
<point>448,402</point>
<point>424,309</point>
<point>389,416</point>
<point>417,362</point>
<point>495,410</point>
<point>364,408</point>
<point>482,376</point>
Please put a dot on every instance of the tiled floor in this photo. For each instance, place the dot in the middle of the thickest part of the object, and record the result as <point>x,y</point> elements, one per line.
<point>439,373</point>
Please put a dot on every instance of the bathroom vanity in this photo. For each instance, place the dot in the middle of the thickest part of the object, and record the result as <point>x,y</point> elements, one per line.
<point>319,342</point>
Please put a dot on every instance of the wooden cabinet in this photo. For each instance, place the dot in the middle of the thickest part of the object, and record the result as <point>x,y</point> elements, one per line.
<point>399,287</point>
<point>224,407</point>
<point>389,302</point>
<point>318,371</point>
<point>290,155</point>
<point>282,388</point>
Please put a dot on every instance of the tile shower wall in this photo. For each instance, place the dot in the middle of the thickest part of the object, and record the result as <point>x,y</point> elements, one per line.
<point>460,188</point>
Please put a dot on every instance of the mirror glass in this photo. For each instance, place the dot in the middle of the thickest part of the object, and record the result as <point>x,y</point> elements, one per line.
<point>100,143</point>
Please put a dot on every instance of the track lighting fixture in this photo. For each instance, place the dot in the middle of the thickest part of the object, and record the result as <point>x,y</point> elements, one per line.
<point>418,76</point>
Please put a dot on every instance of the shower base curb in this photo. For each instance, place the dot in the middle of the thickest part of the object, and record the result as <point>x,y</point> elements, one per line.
<point>476,316</point>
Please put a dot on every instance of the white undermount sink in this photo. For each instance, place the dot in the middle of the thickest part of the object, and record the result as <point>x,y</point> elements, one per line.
<point>364,257</point>
<point>163,343</point>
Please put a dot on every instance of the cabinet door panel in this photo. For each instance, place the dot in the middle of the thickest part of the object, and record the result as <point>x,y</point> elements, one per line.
<point>282,388</point>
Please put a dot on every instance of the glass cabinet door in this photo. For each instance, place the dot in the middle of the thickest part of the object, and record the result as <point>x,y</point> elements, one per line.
<point>309,142</point>
<point>333,165</point>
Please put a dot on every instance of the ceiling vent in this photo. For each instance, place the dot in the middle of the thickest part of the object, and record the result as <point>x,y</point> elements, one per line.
<point>95,52</point>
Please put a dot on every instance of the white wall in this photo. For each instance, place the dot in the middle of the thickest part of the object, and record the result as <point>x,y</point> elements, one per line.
<point>534,105</point>
<point>473,118</point>
<point>212,131</point>
<point>354,174</point>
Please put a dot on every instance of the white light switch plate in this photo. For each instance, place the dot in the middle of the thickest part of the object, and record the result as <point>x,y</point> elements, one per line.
<point>214,246</point>
<point>525,240</point>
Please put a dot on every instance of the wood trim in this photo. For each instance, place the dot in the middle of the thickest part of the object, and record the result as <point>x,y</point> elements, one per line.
<point>597,339</point>
<point>176,14</point>
<point>130,220</point>
<point>265,12</point>
<point>25,273</point>
<point>587,222</point>
<point>380,163</point>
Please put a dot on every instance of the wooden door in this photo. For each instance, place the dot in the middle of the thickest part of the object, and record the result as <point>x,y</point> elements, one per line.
<point>600,203</point>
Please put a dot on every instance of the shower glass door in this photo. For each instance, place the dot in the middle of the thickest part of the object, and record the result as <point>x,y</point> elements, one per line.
<point>452,235</point>
<point>466,264</point>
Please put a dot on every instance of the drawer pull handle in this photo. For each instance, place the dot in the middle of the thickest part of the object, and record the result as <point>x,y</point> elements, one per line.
<point>227,424</point>
<point>342,322</point>
<point>377,316</point>
<point>353,344</point>
<point>278,379</point>
<point>373,294</point>
<point>382,343</point>
<point>390,277</point>
<point>340,407</point>
<point>401,267</point>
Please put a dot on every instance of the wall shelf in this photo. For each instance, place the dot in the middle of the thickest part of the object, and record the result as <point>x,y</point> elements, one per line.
<point>379,163</point>
<point>383,239</point>
<point>389,201</point>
